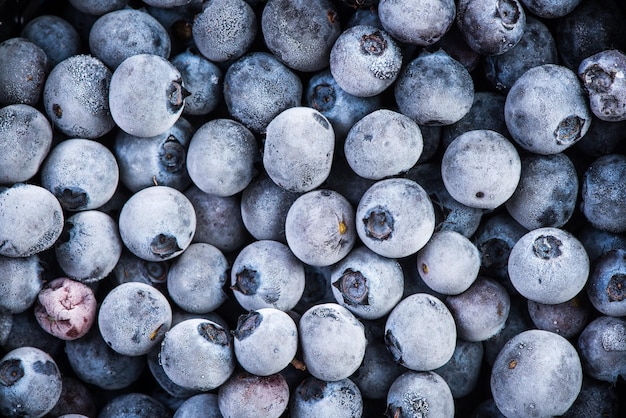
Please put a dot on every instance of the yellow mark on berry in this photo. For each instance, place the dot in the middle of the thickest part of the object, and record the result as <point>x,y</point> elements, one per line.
<point>155,332</point>
<point>424,268</point>
<point>343,228</point>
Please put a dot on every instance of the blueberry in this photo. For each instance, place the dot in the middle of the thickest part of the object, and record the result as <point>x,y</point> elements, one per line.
<point>345,181</point>
<point>606,286</point>
<point>434,89</point>
<point>55,35</point>
<point>546,110</point>
<point>21,279</point>
<point>196,278</point>
<point>76,400</point>
<point>219,220</point>
<point>24,372</point>
<point>566,319</point>
<point>546,195</point>
<point>221,157</point>
<point>550,9</point>
<point>320,227</point>
<point>265,341</point>
<point>300,33</point>
<point>332,340</point>
<point>198,354</point>
<point>134,405</point>
<point>601,346</point>
<point>602,75</point>
<point>23,72</point>
<point>317,398</point>
<point>597,241</point>
<point>146,95</point>
<point>430,344</point>
<point>595,397</point>
<point>491,27</point>
<point>82,174</point>
<point>203,404</point>
<point>417,22</point>
<point>133,318</point>
<point>462,371</point>
<point>202,79</point>
<point>317,288</point>
<point>120,34</point>
<point>157,223</point>
<point>365,60</point>
<point>602,138</point>
<point>548,265</point>
<point>264,207</point>
<point>224,30</point>
<point>131,268</point>
<point>536,47</point>
<point>603,202</point>
<point>417,394</point>
<point>158,160</point>
<point>98,7</point>
<point>24,331</point>
<point>367,284</point>
<point>266,396</point>
<point>481,311</point>
<point>455,46</point>
<point>378,370</point>
<point>66,308</point>
<point>27,139</point>
<point>257,87</point>
<point>383,143</point>
<point>266,274</point>
<point>528,368</point>
<point>395,217</point>
<point>481,169</point>
<point>165,384</point>
<point>32,220</point>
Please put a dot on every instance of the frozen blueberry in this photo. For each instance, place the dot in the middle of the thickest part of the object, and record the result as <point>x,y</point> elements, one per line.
<point>265,341</point>
<point>377,371</point>
<point>89,247</point>
<point>602,201</point>
<point>547,192</point>
<point>23,330</point>
<point>157,223</point>
<point>536,47</point>
<point>293,164</point>
<point>548,265</point>
<point>320,227</point>
<point>134,405</point>
<point>266,396</point>
<point>602,138</point>
<point>55,35</point>
<point>417,22</point>
<point>66,308</point>
<point>76,400</point>
<point>224,30</point>
<point>300,32</point>
<point>264,207</point>
<point>202,79</point>
<point>491,27</point>
<point>528,369</point>
<point>332,340</point>
<point>341,108</point>
<point>31,219</point>
<point>462,371</point>
<point>383,143</point>
<point>120,34</point>
<point>598,242</point>
<point>606,286</point>
<point>567,319</point>
<point>133,318</point>
<point>82,173</point>
<point>266,274</point>
<point>546,110</point>
<point>221,157</point>
<point>30,383</point>
<point>448,263</point>
<point>481,311</point>
<point>367,284</point>
<point>26,140</point>
<point>98,7</point>
<point>158,160</point>
<point>21,279</point>
<point>602,75</point>
<point>550,9</point>
<point>165,384</point>
<point>317,398</point>
<point>434,89</point>
<point>219,220</point>
<point>76,97</point>
<point>365,60</point>
<point>131,268</point>
<point>417,394</point>
<point>198,354</point>
<point>481,169</point>
<point>420,332</point>
<point>23,71</point>
<point>595,397</point>
<point>203,404</point>
<point>196,278</point>
<point>602,345</point>
<point>146,95</point>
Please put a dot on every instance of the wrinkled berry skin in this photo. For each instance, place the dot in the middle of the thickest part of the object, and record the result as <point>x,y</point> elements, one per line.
<point>602,348</point>
<point>317,398</point>
<point>529,368</point>
<point>602,75</point>
<point>606,286</point>
<point>417,394</point>
<point>603,204</point>
<point>23,72</point>
<point>248,396</point>
<point>546,110</point>
<point>417,22</point>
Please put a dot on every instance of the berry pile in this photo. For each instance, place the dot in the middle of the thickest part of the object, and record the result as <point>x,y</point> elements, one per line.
<point>312,208</point>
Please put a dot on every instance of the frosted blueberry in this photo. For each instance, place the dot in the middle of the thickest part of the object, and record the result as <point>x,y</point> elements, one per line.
<point>419,394</point>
